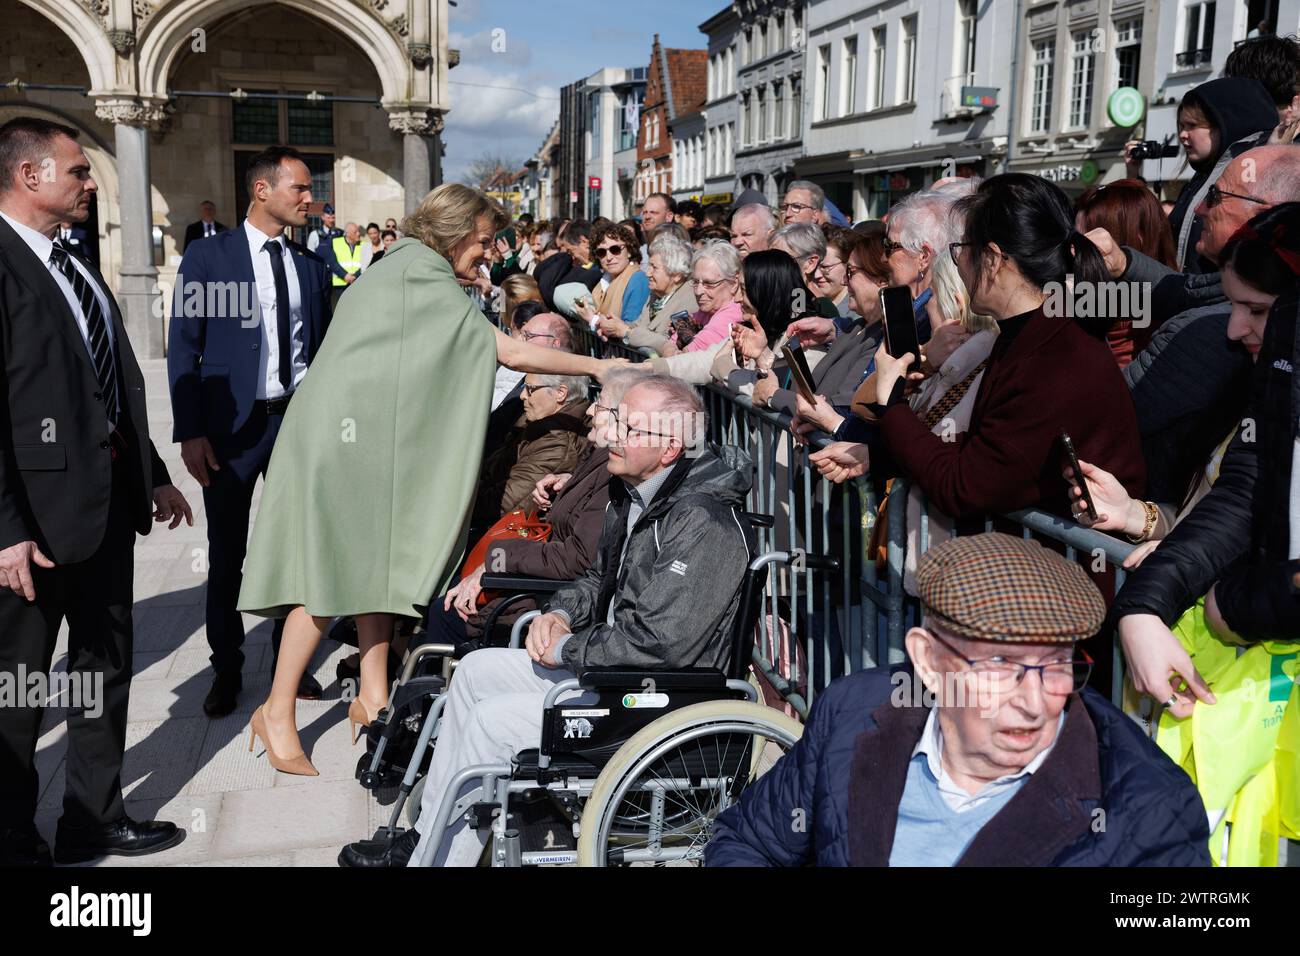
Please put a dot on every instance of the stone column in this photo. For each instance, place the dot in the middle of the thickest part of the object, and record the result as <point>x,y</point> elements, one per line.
<point>137,285</point>
<point>421,131</point>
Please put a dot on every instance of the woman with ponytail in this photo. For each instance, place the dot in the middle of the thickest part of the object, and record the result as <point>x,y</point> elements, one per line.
<point>1047,372</point>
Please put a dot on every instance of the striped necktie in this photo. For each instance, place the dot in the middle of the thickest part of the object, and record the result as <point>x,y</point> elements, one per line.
<point>101,352</point>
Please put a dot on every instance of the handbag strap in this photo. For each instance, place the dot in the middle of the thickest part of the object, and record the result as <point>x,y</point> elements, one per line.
<point>949,400</point>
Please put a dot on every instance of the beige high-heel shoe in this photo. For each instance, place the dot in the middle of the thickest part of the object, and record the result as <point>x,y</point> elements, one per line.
<point>298,765</point>
<point>358,716</point>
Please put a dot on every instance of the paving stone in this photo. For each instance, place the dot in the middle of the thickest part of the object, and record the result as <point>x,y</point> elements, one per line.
<point>314,813</point>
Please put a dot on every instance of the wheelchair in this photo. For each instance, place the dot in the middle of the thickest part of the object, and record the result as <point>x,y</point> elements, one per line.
<point>633,771</point>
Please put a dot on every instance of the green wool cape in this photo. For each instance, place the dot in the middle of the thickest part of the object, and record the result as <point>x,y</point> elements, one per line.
<point>369,490</point>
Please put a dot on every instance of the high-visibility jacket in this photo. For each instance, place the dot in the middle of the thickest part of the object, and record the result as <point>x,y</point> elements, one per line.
<point>349,259</point>
<point>1243,752</point>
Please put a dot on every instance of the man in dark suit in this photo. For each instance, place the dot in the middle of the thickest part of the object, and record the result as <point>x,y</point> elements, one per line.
<point>250,311</point>
<point>76,240</point>
<point>77,476</point>
<point>206,227</point>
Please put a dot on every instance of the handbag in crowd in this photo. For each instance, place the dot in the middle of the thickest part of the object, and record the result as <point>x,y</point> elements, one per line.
<point>515,525</point>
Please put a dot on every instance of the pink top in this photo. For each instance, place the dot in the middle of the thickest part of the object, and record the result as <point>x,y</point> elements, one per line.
<point>716,328</point>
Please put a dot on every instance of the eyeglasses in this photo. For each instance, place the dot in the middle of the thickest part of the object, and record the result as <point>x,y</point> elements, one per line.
<point>614,250</point>
<point>1060,678</point>
<point>891,246</point>
<point>798,207</point>
<point>1214,195</point>
<point>622,430</point>
<point>530,389</point>
<point>955,247</point>
<point>827,265</point>
<point>708,283</point>
<point>529,336</point>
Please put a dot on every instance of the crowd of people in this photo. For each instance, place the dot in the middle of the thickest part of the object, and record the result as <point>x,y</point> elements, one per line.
<point>446,401</point>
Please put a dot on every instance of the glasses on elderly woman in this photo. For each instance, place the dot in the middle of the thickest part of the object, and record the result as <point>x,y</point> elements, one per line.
<point>1001,676</point>
<point>707,283</point>
<point>891,246</point>
<point>530,389</point>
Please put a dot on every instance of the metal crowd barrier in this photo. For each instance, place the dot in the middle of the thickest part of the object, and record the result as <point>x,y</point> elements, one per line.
<point>818,626</point>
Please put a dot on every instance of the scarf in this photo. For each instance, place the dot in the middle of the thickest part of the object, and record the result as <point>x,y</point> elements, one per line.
<point>610,302</point>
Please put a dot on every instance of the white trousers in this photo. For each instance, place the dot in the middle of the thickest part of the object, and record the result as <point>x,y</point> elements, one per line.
<point>493,711</point>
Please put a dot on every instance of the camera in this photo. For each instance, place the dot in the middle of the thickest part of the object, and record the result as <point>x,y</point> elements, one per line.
<point>1151,149</point>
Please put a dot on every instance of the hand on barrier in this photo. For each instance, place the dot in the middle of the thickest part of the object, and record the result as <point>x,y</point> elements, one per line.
<point>1160,666</point>
<point>821,417</point>
<point>1138,554</point>
<point>611,328</point>
<point>764,389</point>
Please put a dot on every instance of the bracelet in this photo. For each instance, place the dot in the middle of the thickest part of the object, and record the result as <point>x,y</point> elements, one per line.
<point>1148,525</point>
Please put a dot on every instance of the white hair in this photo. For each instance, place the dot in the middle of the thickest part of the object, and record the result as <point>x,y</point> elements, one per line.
<point>922,219</point>
<point>576,384</point>
<point>675,254</point>
<point>722,254</point>
<point>756,209</point>
<point>802,239</point>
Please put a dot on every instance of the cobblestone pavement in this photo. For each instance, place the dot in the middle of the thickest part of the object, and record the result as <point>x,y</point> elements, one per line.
<point>182,766</point>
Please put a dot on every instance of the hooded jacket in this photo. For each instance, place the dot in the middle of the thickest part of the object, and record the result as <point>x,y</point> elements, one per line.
<point>1241,109</point>
<point>676,593</point>
<point>1105,795</point>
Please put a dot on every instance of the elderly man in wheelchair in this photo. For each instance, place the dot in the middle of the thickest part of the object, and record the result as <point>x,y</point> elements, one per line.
<point>654,625</point>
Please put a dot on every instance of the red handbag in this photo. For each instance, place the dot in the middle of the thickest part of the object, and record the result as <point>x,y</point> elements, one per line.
<point>515,525</point>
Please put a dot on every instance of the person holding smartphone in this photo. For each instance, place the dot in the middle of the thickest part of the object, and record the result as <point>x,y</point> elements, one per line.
<point>1043,374</point>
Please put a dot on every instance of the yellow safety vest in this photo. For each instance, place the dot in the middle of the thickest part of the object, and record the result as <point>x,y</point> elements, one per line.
<point>1244,751</point>
<point>349,259</point>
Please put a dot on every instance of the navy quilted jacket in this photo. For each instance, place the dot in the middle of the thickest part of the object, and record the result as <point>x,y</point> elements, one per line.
<point>1106,796</point>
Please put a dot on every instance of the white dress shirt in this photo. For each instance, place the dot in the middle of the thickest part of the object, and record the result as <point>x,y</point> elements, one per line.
<point>42,246</point>
<point>268,379</point>
<point>209,229</point>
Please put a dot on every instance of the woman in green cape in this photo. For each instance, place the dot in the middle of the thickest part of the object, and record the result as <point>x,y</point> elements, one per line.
<point>367,496</point>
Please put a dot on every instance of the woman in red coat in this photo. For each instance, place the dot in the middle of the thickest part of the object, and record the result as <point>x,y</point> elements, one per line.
<point>1048,371</point>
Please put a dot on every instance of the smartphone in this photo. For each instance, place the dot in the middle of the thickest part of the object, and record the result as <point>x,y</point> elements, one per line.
<point>901,336</point>
<point>800,372</point>
<point>1078,474</point>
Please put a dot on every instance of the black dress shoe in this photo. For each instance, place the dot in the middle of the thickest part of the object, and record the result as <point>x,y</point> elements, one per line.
<point>23,846</point>
<point>223,694</point>
<point>309,688</point>
<point>377,853</point>
<point>124,837</point>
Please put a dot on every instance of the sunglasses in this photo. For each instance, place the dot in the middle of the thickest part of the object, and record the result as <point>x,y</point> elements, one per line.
<point>614,250</point>
<point>890,246</point>
<point>1214,195</point>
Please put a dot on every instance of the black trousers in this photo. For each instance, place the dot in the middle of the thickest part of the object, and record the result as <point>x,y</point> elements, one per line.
<point>95,597</point>
<point>227,500</point>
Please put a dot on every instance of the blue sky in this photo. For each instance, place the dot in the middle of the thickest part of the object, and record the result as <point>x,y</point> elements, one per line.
<point>548,43</point>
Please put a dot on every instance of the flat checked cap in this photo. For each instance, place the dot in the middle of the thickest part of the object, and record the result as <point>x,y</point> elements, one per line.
<point>996,587</point>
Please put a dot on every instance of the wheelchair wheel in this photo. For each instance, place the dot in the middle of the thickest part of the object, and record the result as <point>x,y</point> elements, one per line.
<point>657,797</point>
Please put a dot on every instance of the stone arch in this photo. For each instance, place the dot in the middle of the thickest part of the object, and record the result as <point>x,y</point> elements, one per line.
<point>87,35</point>
<point>171,30</point>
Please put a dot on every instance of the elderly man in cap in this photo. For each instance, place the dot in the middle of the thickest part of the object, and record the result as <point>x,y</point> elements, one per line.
<point>988,751</point>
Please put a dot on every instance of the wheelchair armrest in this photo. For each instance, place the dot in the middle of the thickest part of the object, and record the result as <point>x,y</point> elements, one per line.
<point>758,519</point>
<point>614,678</point>
<point>522,582</point>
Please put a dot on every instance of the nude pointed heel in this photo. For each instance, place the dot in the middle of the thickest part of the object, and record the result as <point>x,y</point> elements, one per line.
<point>357,717</point>
<point>299,765</point>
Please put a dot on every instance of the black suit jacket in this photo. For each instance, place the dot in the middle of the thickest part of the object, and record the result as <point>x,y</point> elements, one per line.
<point>55,463</point>
<point>195,231</point>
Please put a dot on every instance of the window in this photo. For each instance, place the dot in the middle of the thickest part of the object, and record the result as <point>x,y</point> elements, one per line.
<point>746,122</point>
<point>1082,60</point>
<point>595,124</point>
<point>796,108</point>
<point>746,47</point>
<point>256,121</point>
<point>1040,110</point>
<point>779,39</point>
<point>907,85</point>
<point>849,86</point>
<point>728,153</point>
<point>1128,47</point>
<point>878,37</point>
<point>762,42</point>
<point>729,71</point>
<point>310,123</point>
<point>967,11</point>
<point>778,107</point>
<point>824,82</point>
<point>1198,35</point>
<point>762,114</point>
<point>710,71</point>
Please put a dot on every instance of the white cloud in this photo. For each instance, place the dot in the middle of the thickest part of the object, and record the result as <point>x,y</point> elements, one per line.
<point>495,116</point>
